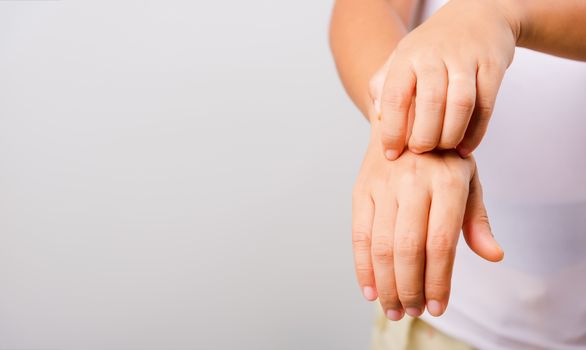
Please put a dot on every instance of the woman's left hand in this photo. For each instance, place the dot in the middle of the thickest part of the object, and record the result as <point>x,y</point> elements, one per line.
<point>406,221</point>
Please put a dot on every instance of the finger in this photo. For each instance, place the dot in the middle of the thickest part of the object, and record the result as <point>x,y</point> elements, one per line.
<point>459,106</point>
<point>476,227</point>
<point>445,222</point>
<point>376,85</point>
<point>362,216</point>
<point>410,118</point>
<point>382,252</point>
<point>432,83</point>
<point>409,244</point>
<point>395,104</point>
<point>488,81</point>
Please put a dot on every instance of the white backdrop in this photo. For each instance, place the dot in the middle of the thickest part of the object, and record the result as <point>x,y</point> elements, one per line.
<point>175,175</point>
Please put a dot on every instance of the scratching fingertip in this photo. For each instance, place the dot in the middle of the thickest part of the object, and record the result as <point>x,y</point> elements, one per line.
<point>391,154</point>
<point>394,315</point>
<point>463,151</point>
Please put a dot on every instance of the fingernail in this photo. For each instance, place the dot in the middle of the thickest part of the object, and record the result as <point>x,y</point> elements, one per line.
<point>394,315</point>
<point>463,152</point>
<point>391,154</point>
<point>369,293</point>
<point>434,307</point>
<point>413,311</point>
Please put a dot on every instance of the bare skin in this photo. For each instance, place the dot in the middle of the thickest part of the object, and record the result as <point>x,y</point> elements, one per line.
<point>436,87</point>
<point>453,82</point>
<point>406,221</point>
<point>358,60</point>
<point>452,65</point>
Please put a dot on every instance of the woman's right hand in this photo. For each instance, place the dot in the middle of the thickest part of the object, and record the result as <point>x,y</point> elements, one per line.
<point>447,71</point>
<point>406,220</point>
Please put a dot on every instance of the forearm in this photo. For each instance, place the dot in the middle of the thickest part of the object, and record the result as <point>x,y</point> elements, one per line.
<point>363,33</point>
<point>554,27</point>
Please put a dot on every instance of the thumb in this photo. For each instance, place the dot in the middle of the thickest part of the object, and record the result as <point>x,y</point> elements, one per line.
<point>477,231</point>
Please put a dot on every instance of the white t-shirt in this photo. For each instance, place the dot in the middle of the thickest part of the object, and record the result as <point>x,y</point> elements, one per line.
<point>532,165</point>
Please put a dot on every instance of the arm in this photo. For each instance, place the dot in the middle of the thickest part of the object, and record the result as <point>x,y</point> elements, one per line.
<point>554,27</point>
<point>454,93</point>
<point>363,33</point>
<point>401,256</point>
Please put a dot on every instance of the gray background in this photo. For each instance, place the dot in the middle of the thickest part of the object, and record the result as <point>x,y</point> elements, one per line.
<point>175,175</point>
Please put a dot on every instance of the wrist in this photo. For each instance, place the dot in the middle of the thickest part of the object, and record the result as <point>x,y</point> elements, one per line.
<point>514,11</point>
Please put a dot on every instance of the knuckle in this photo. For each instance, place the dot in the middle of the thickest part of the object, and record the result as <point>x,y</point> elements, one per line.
<point>437,288</point>
<point>449,142</point>
<point>463,102</point>
<point>389,295</point>
<point>361,235</point>
<point>484,108</point>
<point>408,180</point>
<point>493,63</point>
<point>440,245</point>
<point>411,296</point>
<point>433,99</point>
<point>408,246</point>
<point>389,300</point>
<point>363,270</point>
<point>452,181</point>
<point>392,135</point>
<point>382,250</point>
<point>420,143</point>
<point>396,99</point>
<point>427,61</point>
<point>483,217</point>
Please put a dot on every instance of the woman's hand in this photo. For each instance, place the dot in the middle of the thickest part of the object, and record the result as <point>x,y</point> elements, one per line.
<point>406,220</point>
<point>451,66</point>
